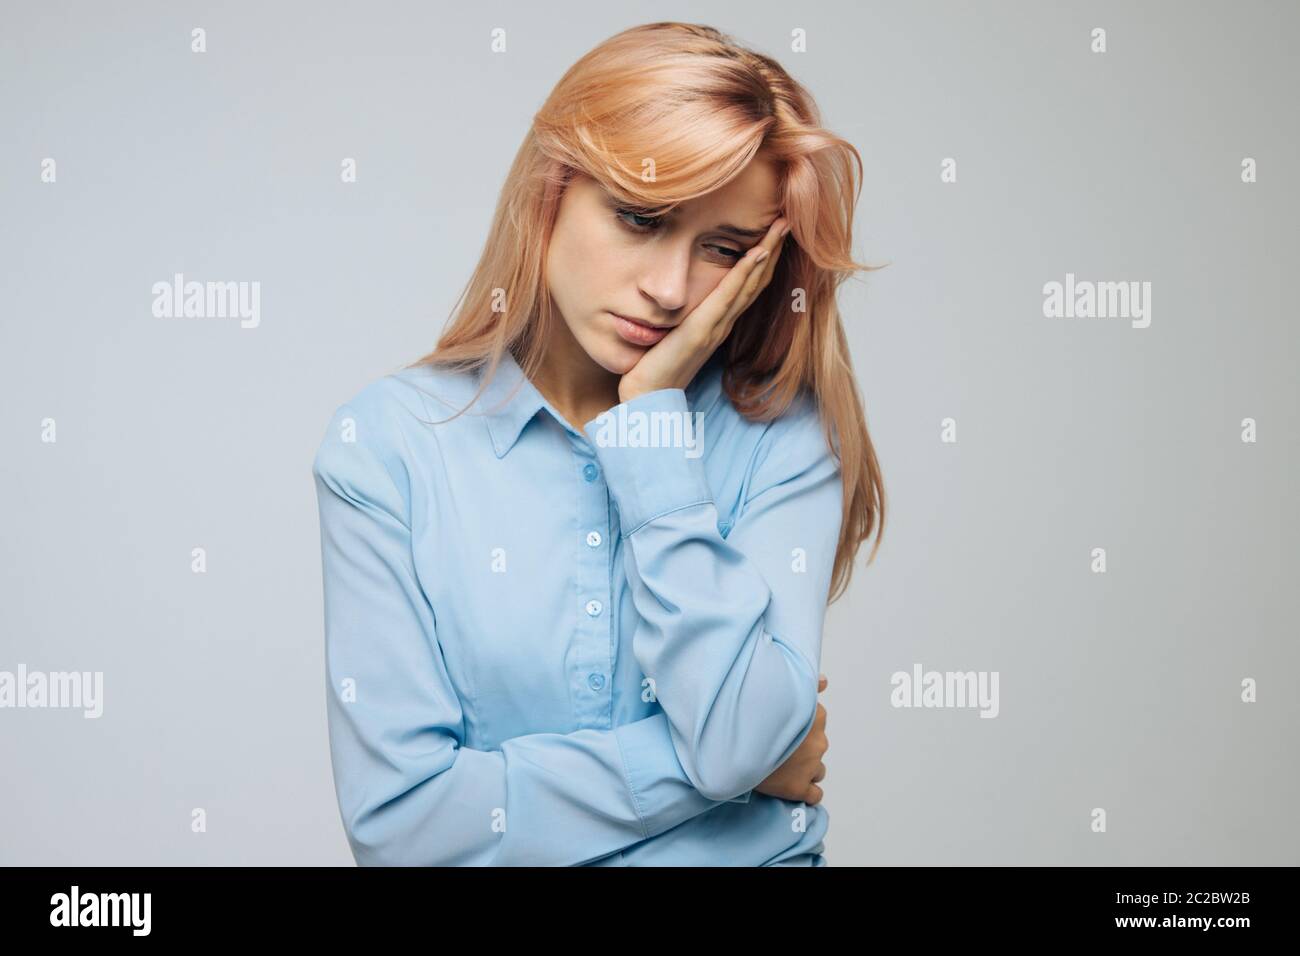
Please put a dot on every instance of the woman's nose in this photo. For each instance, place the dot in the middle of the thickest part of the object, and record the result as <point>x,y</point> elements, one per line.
<point>664,277</point>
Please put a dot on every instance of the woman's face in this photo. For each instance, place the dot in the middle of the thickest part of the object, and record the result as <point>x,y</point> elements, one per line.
<point>602,263</point>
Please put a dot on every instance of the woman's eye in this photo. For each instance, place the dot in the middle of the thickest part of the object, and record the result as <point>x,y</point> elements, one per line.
<point>629,216</point>
<point>649,223</point>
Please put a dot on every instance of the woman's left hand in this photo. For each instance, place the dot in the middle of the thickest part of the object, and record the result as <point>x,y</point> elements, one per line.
<point>673,361</point>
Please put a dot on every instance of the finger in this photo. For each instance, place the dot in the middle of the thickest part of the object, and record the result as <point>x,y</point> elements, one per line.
<point>821,684</point>
<point>758,278</point>
<point>740,273</point>
<point>775,234</point>
<point>754,284</point>
<point>773,242</point>
<point>717,307</point>
<point>742,298</point>
<point>754,260</point>
<point>775,238</point>
<point>729,298</point>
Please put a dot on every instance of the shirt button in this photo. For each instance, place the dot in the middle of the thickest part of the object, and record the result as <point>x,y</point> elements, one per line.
<point>590,472</point>
<point>596,681</point>
<point>593,608</point>
<point>593,539</point>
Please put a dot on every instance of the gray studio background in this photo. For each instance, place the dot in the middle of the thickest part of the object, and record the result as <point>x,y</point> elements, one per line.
<point>1119,690</point>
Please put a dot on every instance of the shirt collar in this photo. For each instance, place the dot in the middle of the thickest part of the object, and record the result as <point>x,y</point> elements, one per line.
<point>507,409</point>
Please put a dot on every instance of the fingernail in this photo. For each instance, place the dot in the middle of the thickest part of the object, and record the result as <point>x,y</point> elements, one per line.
<point>762,254</point>
<point>784,230</point>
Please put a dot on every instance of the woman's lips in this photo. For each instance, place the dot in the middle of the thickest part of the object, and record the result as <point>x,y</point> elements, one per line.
<point>636,333</point>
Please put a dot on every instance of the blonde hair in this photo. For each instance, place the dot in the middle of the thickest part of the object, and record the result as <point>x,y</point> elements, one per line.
<point>703,106</point>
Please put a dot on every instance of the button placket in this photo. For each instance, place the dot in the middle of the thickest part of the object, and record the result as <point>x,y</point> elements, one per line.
<point>592,654</point>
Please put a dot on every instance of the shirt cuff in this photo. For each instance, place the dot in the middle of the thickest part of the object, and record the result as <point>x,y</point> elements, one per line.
<point>652,451</point>
<point>664,795</point>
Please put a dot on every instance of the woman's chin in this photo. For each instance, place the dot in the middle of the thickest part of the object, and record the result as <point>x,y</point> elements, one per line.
<point>618,357</point>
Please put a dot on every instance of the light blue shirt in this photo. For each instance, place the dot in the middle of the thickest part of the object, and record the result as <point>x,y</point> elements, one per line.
<point>547,646</point>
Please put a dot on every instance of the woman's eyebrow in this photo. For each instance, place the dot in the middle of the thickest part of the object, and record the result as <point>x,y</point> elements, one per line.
<point>742,233</point>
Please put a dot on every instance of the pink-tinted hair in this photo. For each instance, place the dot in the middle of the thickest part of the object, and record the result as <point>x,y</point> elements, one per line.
<point>703,107</point>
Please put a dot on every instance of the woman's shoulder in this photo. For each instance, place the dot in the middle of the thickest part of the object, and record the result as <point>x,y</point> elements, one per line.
<point>390,416</point>
<point>746,456</point>
<point>423,391</point>
<point>800,422</point>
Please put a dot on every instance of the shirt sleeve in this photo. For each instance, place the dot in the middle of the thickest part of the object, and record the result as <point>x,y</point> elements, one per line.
<point>730,628</point>
<point>409,792</point>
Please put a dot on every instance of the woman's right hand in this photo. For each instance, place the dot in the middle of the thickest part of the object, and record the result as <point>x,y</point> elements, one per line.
<point>797,778</point>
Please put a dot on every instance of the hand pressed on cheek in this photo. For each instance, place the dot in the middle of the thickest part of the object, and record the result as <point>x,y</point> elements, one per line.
<point>674,361</point>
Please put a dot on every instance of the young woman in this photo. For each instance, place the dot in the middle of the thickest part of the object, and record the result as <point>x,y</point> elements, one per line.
<point>579,620</point>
